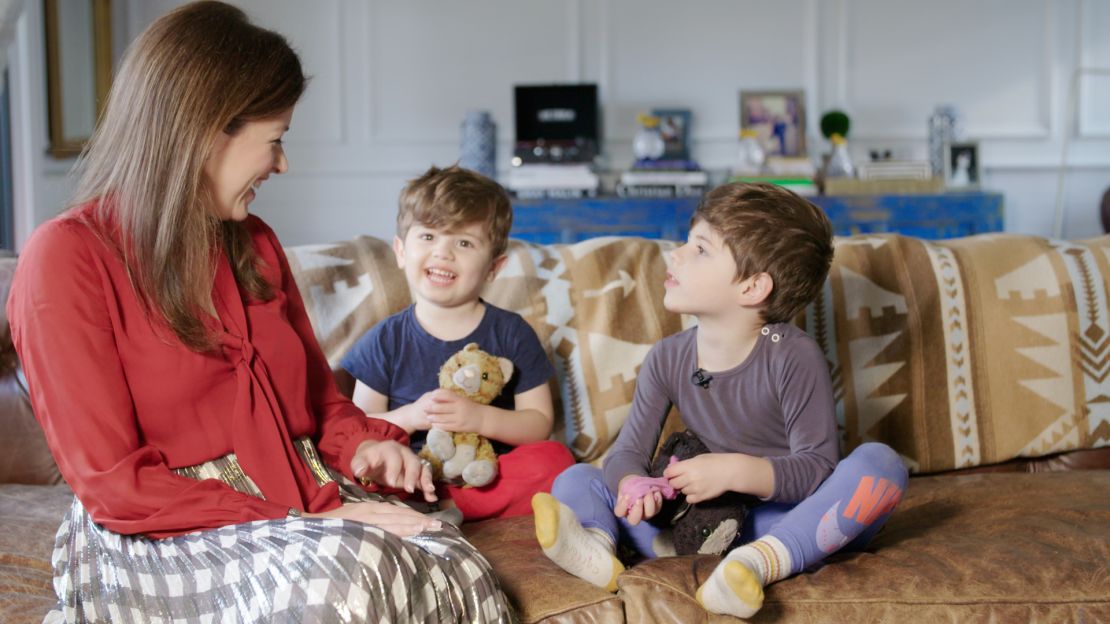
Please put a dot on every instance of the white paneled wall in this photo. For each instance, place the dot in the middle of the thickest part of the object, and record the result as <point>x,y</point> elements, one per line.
<point>392,80</point>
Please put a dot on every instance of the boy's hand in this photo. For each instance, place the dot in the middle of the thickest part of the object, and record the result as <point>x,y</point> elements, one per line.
<point>451,412</point>
<point>394,465</point>
<point>636,509</point>
<point>702,477</point>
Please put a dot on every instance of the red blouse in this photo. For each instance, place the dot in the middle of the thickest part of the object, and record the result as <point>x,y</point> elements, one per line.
<point>123,401</point>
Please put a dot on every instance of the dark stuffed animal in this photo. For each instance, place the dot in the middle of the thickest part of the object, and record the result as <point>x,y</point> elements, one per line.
<point>709,527</point>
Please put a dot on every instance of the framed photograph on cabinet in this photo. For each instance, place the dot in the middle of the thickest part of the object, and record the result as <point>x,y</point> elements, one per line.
<point>778,118</point>
<point>961,165</point>
<point>674,127</point>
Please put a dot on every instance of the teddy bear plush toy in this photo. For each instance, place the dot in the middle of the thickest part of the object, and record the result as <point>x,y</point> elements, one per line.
<point>706,528</point>
<point>466,458</point>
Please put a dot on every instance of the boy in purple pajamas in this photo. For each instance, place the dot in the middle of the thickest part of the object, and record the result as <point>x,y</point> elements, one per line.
<point>756,390</point>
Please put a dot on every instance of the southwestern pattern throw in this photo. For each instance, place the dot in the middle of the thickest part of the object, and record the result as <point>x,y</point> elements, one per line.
<point>1021,333</point>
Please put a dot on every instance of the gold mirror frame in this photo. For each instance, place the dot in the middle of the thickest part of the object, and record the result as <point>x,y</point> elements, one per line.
<point>61,145</point>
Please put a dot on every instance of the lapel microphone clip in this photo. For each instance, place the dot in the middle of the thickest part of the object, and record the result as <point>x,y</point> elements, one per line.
<point>701,378</point>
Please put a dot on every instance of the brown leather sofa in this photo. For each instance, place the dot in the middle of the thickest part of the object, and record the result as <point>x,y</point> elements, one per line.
<point>1018,533</point>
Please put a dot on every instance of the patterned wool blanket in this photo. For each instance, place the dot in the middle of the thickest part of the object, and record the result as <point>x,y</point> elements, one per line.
<point>955,353</point>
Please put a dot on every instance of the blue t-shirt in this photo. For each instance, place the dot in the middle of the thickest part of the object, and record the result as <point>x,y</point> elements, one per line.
<point>399,359</point>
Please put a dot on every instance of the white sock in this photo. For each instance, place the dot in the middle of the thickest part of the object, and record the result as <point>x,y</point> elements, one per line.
<point>736,585</point>
<point>585,553</point>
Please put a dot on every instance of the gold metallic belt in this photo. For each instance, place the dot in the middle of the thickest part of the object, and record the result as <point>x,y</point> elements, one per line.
<point>228,470</point>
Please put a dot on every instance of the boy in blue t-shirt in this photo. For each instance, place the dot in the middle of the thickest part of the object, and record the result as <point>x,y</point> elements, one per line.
<point>452,233</point>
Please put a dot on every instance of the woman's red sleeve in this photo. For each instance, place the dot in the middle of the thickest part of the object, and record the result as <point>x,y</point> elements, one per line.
<point>342,425</point>
<point>63,311</point>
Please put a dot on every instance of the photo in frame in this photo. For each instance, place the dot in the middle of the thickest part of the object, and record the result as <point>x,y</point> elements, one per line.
<point>961,165</point>
<point>674,127</point>
<point>778,118</point>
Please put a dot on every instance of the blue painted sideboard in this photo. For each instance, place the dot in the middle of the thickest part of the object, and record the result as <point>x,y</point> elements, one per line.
<point>947,215</point>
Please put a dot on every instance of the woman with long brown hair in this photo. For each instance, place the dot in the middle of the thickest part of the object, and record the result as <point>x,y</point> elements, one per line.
<point>176,375</point>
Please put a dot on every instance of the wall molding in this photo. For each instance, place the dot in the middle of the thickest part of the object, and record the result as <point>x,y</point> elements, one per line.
<point>1041,129</point>
<point>1088,124</point>
<point>355,176</point>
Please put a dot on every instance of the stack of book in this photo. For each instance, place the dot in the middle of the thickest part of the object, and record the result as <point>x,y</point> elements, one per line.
<point>789,167</point>
<point>665,164</point>
<point>663,179</point>
<point>800,185</point>
<point>553,181</point>
<point>794,173</point>
<point>895,170</point>
<point>901,177</point>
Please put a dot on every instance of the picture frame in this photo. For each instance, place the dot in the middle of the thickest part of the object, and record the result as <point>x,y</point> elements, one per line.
<point>778,118</point>
<point>674,127</point>
<point>961,165</point>
<point>78,70</point>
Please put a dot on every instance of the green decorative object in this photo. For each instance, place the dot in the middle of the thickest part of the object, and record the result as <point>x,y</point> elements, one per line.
<point>835,122</point>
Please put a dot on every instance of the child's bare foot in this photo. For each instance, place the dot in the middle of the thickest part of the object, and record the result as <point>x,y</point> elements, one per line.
<point>585,553</point>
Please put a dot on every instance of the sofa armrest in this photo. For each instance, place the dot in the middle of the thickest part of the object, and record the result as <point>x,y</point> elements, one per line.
<point>24,456</point>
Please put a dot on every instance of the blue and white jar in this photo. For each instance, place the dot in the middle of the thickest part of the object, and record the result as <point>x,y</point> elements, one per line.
<point>478,145</point>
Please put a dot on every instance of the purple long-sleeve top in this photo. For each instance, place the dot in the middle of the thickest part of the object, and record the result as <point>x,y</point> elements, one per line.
<point>777,404</point>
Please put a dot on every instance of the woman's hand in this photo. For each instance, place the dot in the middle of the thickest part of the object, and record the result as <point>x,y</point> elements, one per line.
<point>634,508</point>
<point>392,464</point>
<point>400,521</point>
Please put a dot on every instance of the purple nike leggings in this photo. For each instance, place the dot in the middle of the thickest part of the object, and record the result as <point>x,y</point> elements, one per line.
<point>844,513</point>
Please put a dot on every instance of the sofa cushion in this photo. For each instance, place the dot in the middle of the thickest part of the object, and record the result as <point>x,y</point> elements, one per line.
<point>347,287</point>
<point>30,516</point>
<point>990,547</point>
<point>968,351</point>
<point>539,590</point>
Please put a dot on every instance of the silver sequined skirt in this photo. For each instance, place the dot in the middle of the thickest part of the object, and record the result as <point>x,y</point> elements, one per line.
<point>285,570</point>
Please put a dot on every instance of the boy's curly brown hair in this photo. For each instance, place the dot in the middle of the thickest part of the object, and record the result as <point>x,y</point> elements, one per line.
<point>769,229</point>
<point>456,197</point>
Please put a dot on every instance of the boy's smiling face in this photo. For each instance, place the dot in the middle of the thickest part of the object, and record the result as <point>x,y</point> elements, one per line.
<point>702,277</point>
<point>446,267</point>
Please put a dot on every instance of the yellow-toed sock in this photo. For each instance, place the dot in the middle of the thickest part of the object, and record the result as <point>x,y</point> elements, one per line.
<point>585,553</point>
<point>736,585</point>
<point>732,589</point>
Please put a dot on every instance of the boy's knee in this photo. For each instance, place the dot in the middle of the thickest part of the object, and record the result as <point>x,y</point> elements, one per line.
<point>880,459</point>
<point>574,478</point>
